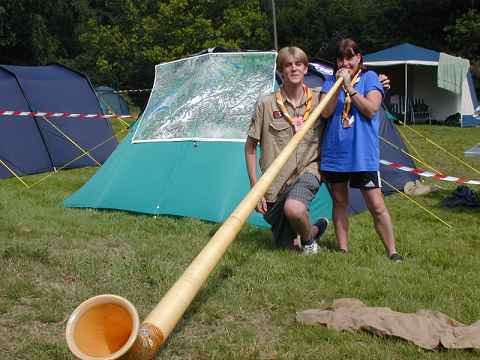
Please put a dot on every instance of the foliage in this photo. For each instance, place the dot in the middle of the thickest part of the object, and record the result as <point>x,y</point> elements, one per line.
<point>464,38</point>
<point>118,42</point>
<point>36,32</point>
<point>318,25</point>
<point>122,46</point>
<point>464,35</point>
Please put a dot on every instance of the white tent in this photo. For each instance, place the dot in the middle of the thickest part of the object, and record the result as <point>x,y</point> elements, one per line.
<point>413,71</point>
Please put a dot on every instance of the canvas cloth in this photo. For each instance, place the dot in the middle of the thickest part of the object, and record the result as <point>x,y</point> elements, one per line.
<point>415,188</point>
<point>426,328</point>
<point>451,72</point>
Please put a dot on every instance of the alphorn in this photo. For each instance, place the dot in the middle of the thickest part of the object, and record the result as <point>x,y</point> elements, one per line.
<point>107,327</point>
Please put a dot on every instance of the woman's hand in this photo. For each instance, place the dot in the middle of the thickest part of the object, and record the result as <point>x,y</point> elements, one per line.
<point>346,74</point>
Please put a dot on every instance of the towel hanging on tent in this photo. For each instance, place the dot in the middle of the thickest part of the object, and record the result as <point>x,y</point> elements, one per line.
<point>451,72</point>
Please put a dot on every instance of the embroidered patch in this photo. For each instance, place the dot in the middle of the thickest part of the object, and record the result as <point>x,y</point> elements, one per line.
<point>277,114</point>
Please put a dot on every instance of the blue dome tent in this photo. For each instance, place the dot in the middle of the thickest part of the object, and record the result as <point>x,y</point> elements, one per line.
<point>35,144</point>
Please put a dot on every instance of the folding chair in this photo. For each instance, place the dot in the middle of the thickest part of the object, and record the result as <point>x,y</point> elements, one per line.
<point>421,111</point>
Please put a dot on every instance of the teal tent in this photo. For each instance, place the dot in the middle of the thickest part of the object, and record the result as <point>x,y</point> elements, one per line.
<point>185,155</point>
<point>111,101</point>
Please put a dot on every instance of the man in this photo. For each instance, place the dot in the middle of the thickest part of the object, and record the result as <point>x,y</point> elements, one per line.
<point>278,116</point>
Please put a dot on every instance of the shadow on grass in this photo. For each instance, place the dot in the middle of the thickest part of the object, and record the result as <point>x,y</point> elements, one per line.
<point>249,236</point>
<point>329,243</point>
<point>248,242</point>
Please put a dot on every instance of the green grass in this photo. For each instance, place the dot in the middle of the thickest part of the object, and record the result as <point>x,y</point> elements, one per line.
<point>52,258</point>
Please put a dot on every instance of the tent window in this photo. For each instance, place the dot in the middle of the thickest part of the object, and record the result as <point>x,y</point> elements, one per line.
<point>210,97</point>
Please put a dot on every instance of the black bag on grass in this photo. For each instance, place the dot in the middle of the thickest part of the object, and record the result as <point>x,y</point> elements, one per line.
<point>462,196</point>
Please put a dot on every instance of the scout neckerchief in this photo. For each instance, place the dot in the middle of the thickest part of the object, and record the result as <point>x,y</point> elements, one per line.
<point>296,122</point>
<point>347,120</point>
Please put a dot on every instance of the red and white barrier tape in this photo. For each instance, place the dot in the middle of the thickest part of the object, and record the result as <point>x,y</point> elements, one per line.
<point>425,173</point>
<point>61,114</point>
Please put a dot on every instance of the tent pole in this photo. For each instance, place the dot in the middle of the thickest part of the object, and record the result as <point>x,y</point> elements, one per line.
<point>405,100</point>
<point>274,16</point>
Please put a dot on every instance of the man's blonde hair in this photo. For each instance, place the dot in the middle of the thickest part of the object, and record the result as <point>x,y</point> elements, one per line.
<point>288,52</point>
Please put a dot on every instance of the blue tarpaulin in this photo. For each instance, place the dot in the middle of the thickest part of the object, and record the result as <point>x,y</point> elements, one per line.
<point>403,53</point>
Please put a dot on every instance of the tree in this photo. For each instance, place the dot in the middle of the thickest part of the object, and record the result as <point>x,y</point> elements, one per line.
<point>34,32</point>
<point>463,37</point>
<point>118,42</point>
<point>122,45</point>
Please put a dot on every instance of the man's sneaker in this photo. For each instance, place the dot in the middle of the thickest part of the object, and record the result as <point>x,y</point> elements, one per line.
<point>396,258</point>
<point>322,225</point>
<point>310,249</point>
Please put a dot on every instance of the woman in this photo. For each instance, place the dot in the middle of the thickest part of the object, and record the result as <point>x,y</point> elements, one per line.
<point>350,148</point>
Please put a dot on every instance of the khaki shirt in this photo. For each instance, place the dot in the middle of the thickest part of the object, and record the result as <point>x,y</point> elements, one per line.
<point>273,131</point>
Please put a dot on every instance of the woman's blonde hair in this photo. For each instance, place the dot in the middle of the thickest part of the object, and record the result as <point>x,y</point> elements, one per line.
<point>291,52</point>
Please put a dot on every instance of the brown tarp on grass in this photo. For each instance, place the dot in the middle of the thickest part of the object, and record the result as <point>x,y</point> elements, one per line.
<point>426,328</point>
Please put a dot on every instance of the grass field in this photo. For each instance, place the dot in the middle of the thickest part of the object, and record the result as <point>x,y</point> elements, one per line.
<point>52,258</point>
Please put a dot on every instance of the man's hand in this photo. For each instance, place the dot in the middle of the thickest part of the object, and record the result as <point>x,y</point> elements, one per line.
<point>385,81</point>
<point>262,206</point>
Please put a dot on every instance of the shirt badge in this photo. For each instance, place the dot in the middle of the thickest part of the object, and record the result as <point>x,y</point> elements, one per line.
<point>277,114</point>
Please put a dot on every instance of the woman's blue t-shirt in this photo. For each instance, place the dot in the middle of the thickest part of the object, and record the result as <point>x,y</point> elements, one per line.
<point>355,148</point>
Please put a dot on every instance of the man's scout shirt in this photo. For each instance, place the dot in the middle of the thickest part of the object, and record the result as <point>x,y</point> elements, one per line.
<point>270,127</point>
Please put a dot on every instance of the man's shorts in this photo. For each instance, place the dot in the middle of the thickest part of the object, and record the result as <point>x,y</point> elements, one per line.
<point>304,190</point>
<point>358,180</point>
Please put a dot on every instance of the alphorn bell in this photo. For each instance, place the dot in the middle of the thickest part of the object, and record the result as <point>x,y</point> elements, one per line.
<point>106,327</point>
